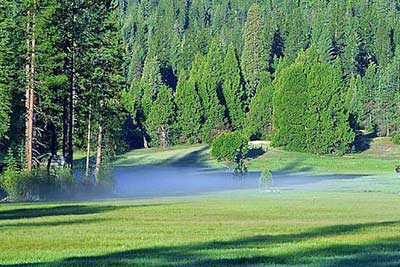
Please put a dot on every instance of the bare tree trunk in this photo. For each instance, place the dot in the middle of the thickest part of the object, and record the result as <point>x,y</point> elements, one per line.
<point>89,135</point>
<point>72,100</point>
<point>65,128</point>
<point>99,152</point>
<point>28,137</point>
<point>145,143</point>
<point>70,131</point>
<point>30,89</point>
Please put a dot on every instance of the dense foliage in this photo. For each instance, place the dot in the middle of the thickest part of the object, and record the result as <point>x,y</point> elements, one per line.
<point>230,49</point>
<point>231,148</point>
<point>310,75</point>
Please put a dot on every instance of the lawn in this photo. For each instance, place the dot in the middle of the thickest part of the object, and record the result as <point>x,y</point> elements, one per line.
<point>245,228</point>
<point>349,222</point>
<point>382,156</point>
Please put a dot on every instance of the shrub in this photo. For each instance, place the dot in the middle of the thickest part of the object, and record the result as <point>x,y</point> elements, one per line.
<point>21,185</point>
<point>231,148</point>
<point>396,139</point>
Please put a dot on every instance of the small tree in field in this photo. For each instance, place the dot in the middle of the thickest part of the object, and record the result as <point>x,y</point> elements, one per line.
<point>231,148</point>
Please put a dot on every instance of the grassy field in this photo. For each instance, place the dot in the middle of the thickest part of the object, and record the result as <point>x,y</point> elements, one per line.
<point>380,156</point>
<point>239,228</point>
<point>354,223</point>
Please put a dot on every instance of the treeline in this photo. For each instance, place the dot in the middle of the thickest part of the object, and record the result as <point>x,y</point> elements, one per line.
<point>96,75</point>
<point>309,75</point>
<point>61,77</point>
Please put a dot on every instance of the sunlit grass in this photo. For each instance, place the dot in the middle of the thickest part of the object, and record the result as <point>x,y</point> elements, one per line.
<point>245,228</point>
<point>381,157</point>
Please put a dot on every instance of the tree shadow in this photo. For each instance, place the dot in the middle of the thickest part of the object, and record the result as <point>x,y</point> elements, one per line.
<point>363,142</point>
<point>379,252</point>
<point>194,158</point>
<point>255,153</point>
<point>51,224</point>
<point>52,211</point>
<point>293,167</point>
<point>68,210</point>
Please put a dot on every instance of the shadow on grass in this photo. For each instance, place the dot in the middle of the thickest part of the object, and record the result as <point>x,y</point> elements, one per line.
<point>293,167</point>
<point>51,224</point>
<point>363,142</point>
<point>255,153</point>
<point>52,211</point>
<point>191,159</point>
<point>256,251</point>
<point>61,210</point>
<point>194,158</point>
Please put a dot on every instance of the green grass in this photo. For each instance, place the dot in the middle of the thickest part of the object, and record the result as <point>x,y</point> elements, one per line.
<point>381,157</point>
<point>157,156</point>
<point>246,228</point>
<point>355,222</point>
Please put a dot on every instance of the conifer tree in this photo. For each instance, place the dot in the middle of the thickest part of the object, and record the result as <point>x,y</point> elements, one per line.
<point>189,110</point>
<point>254,56</point>
<point>290,104</point>
<point>327,127</point>
<point>371,83</point>
<point>209,88</point>
<point>310,111</point>
<point>233,90</point>
<point>351,49</point>
<point>357,99</point>
<point>7,60</point>
<point>150,84</point>
<point>162,117</point>
<point>106,81</point>
<point>387,92</point>
<point>258,123</point>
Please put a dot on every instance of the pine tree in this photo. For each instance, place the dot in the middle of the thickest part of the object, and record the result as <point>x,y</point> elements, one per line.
<point>7,27</point>
<point>209,85</point>
<point>310,111</point>
<point>233,90</point>
<point>371,83</point>
<point>290,104</point>
<point>150,84</point>
<point>327,127</point>
<point>106,81</point>
<point>386,96</point>
<point>351,49</point>
<point>258,123</point>
<point>357,99</point>
<point>321,35</point>
<point>162,117</point>
<point>297,33</point>
<point>254,56</point>
<point>189,110</point>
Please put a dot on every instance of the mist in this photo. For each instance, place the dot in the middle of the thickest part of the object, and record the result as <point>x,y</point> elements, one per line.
<point>159,181</point>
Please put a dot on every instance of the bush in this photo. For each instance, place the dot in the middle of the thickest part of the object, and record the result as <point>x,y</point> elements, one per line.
<point>396,139</point>
<point>231,148</point>
<point>21,185</point>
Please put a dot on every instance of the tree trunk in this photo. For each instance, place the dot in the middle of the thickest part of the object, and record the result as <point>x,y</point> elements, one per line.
<point>145,143</point>
<point>89,135</point>
<point>30,89</point>
<point>99,153</point>
<point>71,102</point>
<point>65,128</point>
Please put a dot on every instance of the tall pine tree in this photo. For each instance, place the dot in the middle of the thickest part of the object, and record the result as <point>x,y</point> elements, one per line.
<point>189,110</point>
<point>254,56</point>
<point>233,90</point>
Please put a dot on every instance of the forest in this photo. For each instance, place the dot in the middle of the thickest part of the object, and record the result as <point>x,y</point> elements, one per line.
<point>104,77</point>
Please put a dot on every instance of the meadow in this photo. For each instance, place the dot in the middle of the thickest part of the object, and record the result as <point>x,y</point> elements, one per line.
<point>234,228</point>
<point>348,222</point>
